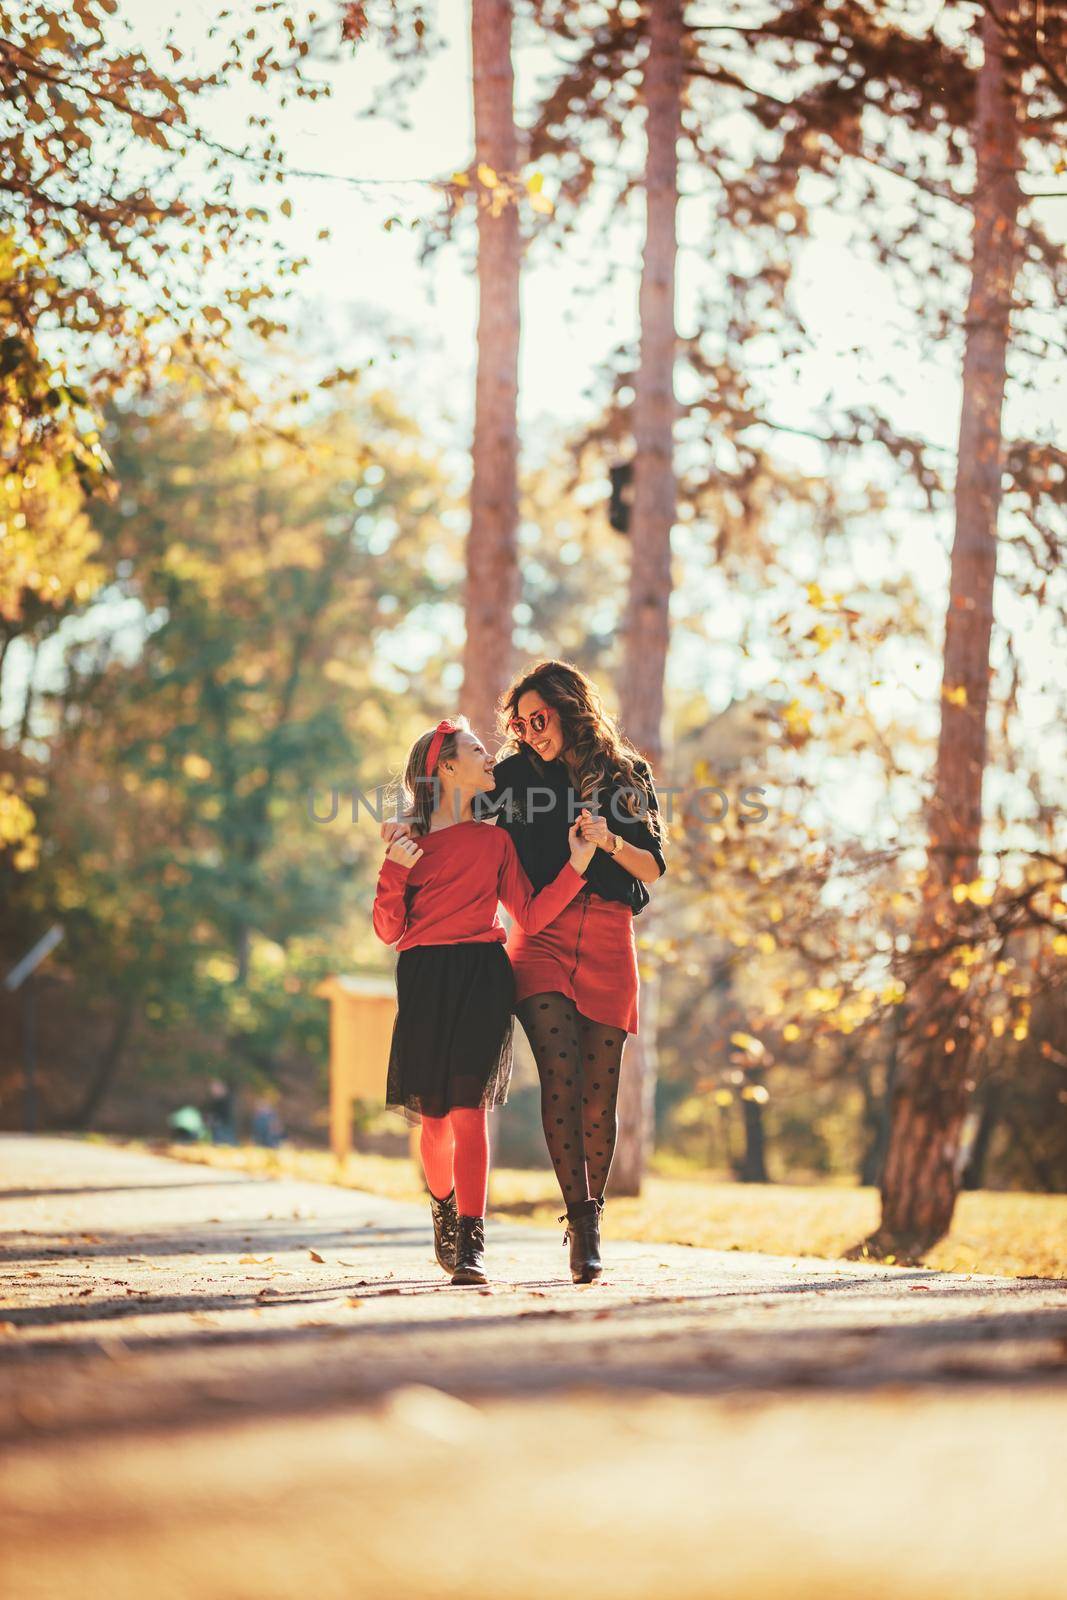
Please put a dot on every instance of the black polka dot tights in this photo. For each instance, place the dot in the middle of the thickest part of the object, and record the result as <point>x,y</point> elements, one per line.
<point>578,1063</point>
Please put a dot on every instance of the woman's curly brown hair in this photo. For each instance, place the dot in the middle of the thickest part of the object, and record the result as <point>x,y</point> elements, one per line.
<point>597,750</point>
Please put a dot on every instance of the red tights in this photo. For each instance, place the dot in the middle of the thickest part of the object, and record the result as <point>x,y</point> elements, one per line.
<point>455,1154</point>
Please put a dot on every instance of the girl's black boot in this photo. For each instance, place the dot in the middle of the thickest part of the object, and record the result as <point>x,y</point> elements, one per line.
<point>445,1222</point>
<point>470,1251</point>
<point>583,1235</point>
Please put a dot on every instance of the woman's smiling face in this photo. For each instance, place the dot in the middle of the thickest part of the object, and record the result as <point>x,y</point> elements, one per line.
<point>539,726</point>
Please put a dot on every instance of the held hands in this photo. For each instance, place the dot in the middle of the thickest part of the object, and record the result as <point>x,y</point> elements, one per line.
<point>395,830</point>
<point>405,852</point>
<point>581,848</point>
<point>596,831</point>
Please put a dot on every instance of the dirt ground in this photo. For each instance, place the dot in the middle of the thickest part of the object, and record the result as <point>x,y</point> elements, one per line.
<point>214,1385</point>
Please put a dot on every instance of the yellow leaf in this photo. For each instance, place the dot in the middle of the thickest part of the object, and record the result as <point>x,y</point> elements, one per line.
<point>790,1032</point>
<point>956,695</point>
<point>1059,944</point>
<point>461,180</point>
<point>979,893</point>
<point>747,1042</point>
<point>487,176</point>
<point>535,183</point>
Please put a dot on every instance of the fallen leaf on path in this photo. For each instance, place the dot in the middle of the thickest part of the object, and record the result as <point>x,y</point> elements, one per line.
<point>8,1329</point>
<point>254,1261</point>
<point>83,1292</point>
<point>353,1301</point>
<point>262,1294</point>
<point>316,1257</point>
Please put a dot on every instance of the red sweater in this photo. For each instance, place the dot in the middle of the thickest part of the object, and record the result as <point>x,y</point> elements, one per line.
<point>450,895</point>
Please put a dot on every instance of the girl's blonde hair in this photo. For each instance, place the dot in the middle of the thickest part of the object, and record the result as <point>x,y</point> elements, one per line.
<point>419,788</point>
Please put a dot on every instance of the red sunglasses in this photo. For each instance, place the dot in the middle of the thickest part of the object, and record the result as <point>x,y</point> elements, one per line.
<point>538,724</point>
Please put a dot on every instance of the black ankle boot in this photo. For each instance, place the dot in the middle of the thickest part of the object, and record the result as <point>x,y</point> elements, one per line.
<point>444,1230</point>
<point>470,1251</point>
<point>583,1235</point>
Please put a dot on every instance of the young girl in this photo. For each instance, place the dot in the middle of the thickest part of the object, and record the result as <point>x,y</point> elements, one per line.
<point>436,900</point>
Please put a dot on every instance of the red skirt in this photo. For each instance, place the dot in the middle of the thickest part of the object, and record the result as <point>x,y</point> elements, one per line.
<point>588,953</point>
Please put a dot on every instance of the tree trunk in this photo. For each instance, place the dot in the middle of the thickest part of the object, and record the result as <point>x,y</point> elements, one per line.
<point>492,556</point>
<point>106,1067</point>
<point>878,1108</point>
<point>637,1089</point>
<point>647,628</point>
<point>919,1183</point>
<point>754,1161</point>
<point>988,1121</point>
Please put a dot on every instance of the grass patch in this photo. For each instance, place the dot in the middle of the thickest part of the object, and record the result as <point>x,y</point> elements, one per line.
<point>1014,1235</point>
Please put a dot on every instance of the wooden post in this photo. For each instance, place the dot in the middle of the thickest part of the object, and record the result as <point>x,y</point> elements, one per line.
<point>362,1011</point>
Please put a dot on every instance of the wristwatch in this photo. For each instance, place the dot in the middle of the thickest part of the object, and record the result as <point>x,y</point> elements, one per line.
<point>619,842</point>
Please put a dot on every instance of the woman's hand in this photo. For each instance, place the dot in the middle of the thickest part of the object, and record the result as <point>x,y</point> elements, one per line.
<point>405,852</point>
<point>581,849</point>
<point>595,829</point>
<point>395,830</point>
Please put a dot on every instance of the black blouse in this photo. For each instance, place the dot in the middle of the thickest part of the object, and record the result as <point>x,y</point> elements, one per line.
<point>536,803</point>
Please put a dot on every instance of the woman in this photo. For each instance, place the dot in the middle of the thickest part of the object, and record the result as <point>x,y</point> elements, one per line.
<point>436,900</point>
<point>576,980</point>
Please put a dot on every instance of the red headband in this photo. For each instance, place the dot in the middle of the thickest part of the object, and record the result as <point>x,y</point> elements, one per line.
<point>443,727</point>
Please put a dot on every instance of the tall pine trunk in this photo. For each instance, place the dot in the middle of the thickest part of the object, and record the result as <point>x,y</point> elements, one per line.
<point>492,563</point>
<point>920,1180</point>
<point>647,629</point>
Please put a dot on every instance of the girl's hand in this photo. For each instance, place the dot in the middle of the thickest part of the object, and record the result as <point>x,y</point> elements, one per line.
<point>581,849</point>
<point>595,829</point>
<point>405,852</point>
<point>395,830</point>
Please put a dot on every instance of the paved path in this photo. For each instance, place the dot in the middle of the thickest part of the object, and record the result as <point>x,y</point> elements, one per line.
<point>215,1385</point>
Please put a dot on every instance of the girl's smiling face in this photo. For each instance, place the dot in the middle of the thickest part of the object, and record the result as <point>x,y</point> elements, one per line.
<point>539,726</point>
<point>471,768</point>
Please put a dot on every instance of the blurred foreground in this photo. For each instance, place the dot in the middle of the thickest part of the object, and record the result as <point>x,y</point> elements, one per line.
<point>216,1385</point>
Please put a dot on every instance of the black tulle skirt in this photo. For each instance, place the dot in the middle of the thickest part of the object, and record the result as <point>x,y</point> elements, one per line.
<point>452,1037</point>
